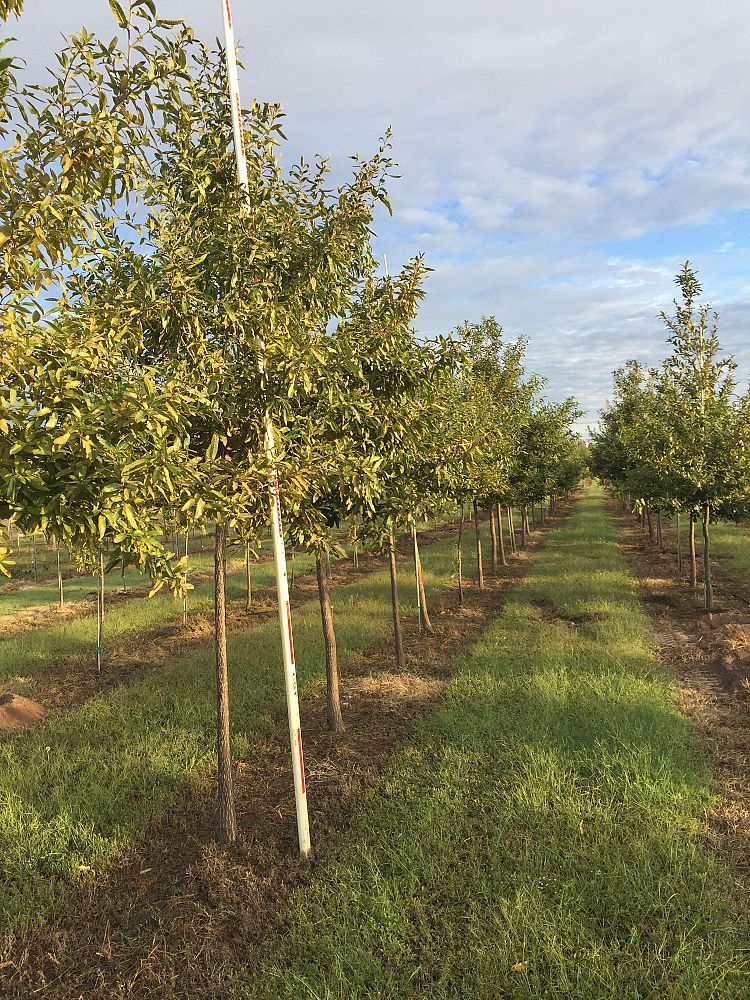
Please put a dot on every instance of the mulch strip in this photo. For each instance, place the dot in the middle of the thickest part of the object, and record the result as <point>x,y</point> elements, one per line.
<point>175,915</point>
<point>708,654</point>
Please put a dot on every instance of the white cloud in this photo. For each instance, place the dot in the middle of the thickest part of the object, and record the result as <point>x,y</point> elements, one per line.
<point>527,134</point>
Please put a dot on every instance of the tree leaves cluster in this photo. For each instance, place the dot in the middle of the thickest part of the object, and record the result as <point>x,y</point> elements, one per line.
<point>676,437</point>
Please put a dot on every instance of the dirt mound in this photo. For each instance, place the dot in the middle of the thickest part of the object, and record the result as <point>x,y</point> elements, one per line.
<point>732,636</point>
<point>17,712</point>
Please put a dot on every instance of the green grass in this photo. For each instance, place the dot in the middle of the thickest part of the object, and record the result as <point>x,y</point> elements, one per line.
<point>74,790</point>
<point>28,653</point>
<point>44,594</point>
<point>549,812</point>
<point>730,544</point>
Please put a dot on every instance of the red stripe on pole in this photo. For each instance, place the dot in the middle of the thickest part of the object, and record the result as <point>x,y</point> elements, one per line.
<point>289,626</point>
<point>229,12</point>
<point>239,119</point>
<point>301,759</point>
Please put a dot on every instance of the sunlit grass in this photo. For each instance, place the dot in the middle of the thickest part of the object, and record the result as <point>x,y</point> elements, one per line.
<point>541,835</point>
<point>75,789</point>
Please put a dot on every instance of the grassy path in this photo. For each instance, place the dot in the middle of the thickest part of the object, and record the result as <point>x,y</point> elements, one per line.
<point>74,790</point>
<point>541,835</point>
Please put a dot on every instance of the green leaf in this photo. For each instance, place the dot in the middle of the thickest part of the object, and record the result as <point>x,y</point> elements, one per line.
<point>119,13</point>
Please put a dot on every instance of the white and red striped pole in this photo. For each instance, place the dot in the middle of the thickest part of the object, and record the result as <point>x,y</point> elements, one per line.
<point>277,528</point>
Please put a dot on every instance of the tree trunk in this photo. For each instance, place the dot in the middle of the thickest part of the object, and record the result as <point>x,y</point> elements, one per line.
<point>99,612</point>
<point>493,536</point>
<point>679,548</point>
<point>60,584</point>
<point>659,533</point>
<point>398,643</point>
<point>416,578</point>
<point>523,527</point>
<point>185,580</point>
<point>650,525</point>
<point>459,560</point>
<point>512,531</point>
<point>693,561</point>
<point>708,589</point>
<point>503,560</point>
<point>355,555</point>
<point>480,568</point>
<point>248,579</point>
<point>333,702</point>
<point>425,624</point>
<point>226,820</point>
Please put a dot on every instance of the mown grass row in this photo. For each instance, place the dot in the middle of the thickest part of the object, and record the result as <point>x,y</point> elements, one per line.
<point>45,593</point>
<point>74,790</point>
<point>27,653</point>
<point>541,835</point>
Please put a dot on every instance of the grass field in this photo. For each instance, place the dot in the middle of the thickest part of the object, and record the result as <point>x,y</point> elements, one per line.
<point>541,835</point>
<point>29,652</point>
<point>75,789</point>
<point>730,544</point>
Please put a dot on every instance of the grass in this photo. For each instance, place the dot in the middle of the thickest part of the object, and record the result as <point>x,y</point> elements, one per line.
<point>540,836</point>
<point>44,594</point>
<point>730,544</point>
<point>74,790</point>
<point>27,653</point>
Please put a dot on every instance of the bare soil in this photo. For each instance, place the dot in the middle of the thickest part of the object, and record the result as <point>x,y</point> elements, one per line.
<point>709,656</point>
<point>17,712</point>
<point>175,913</point>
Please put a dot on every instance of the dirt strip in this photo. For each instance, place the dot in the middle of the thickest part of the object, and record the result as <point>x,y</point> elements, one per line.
<point>176,915</point>
<point>73,680</point>
<point>708,654</point>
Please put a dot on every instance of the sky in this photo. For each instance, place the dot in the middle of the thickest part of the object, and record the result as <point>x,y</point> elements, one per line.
<point>559,159</point>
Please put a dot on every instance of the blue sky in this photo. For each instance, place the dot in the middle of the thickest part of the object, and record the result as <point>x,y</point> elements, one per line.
<point>559,161</point>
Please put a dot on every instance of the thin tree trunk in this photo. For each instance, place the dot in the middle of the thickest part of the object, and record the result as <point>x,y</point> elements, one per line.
<point>512,531</point>
<point>524,524</point>
<point>480,568</point>
<point>459,559</point>
<point>650,525</point>
<point>659,533</point>
<point>425,624</point>
<point>333,701</point>
<point>708,588</point>
<point>503,560</point>
<point>398,643</point>
<point>226,820</point>
<point>493,537</point>
<point>60,584</point>
<point>416,577</point>
<point>99,612</point>
<point>355,557</point>
<point>679,548</point>
<point>248,579</point>
<point>693,561</point>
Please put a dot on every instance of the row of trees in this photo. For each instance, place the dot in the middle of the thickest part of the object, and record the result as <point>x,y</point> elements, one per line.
<point>675,440</point>
<point>157,315</point>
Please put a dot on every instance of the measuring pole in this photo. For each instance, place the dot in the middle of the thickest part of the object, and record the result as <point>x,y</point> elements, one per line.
<point>277,528</point>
